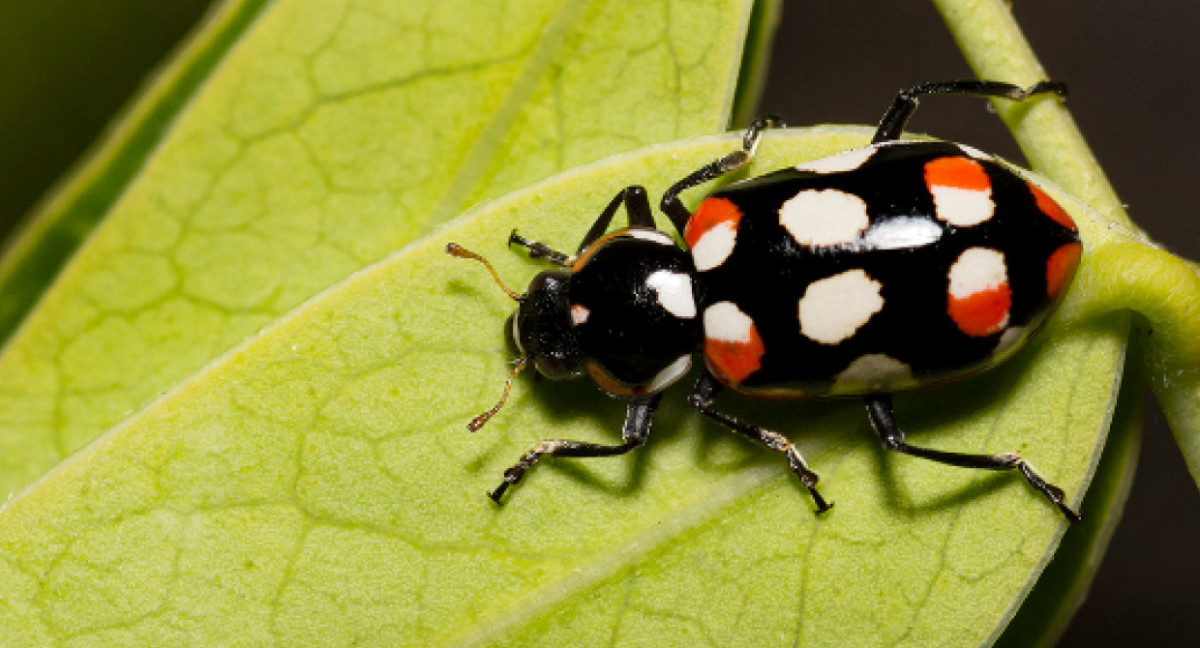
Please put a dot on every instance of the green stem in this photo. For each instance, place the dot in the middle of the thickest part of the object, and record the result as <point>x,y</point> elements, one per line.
<point>1151,281</point>
<point>994,46</point>
<point>1165,290</point>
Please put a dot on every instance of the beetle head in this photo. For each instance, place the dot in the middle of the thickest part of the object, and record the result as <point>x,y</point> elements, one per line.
<point>539,331</point>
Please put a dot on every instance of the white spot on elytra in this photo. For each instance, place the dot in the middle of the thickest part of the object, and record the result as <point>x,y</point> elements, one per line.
<point>579,314</point>
<point>824,217</point>
<point>674,292</point>
<point>654,236</point>
<point>977,270</point>
<point>670,374</point>
<point>726,322</point>
<point>962,207</point>
<point>834,308</point>
<point>714,246</point>
<point>847,161</point>
<point>872,372</point>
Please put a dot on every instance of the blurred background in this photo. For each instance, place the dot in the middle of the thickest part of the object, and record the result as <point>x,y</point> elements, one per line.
<point>67,67</point>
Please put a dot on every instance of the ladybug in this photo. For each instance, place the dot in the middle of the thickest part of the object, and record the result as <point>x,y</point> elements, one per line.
<point>881,269</point>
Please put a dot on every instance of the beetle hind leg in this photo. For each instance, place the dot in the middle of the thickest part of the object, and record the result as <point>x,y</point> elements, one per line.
<point>905,103</point>
<point>883,419</point>
<point>702,399</point>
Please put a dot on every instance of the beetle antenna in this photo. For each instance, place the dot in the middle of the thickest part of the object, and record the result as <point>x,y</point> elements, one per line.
<point>456,250</point>
<point>478,421</point>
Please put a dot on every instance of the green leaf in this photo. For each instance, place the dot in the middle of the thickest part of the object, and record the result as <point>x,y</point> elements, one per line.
<point>1061,590</point>
<point>316,486</point>
<point>319,137</point>
<point>55,230</point>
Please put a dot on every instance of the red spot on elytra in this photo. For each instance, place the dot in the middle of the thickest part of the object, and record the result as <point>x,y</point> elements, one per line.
<point>957,172</point>
<point>1051,209</point>
<point>1060,268</point>
<point>711,212</point>
<point>982,313</point>
<point>732,362</point>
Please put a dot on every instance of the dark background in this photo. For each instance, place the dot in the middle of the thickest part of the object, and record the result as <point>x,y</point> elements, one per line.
<point>67,66</point>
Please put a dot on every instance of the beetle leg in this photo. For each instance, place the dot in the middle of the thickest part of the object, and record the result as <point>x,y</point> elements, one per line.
<point>674,208</point>
<point>702,398</point>
<point>539,250</point>
<point>637,208</point>
<point>905,104</point>
<point>883,419</point>
<point>639,415</point>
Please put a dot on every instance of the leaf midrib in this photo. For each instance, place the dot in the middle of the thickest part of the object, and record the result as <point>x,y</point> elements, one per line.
<point>469,173</point>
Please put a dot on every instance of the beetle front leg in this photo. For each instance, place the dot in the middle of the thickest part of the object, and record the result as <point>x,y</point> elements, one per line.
<point>539,250</point>
<point>702,398</point>
<point>637,207</point>
<point>883,419</point>
<point>638,417</point>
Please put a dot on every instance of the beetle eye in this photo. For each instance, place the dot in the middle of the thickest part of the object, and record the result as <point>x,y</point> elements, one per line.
<point>512,337</point>
<point>556,368</point>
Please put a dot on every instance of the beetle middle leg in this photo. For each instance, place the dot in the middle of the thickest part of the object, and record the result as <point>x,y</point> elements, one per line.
<point>674,208</point>
<point>702,397</point>
<point>638,417</point>
<point>883,419</point>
